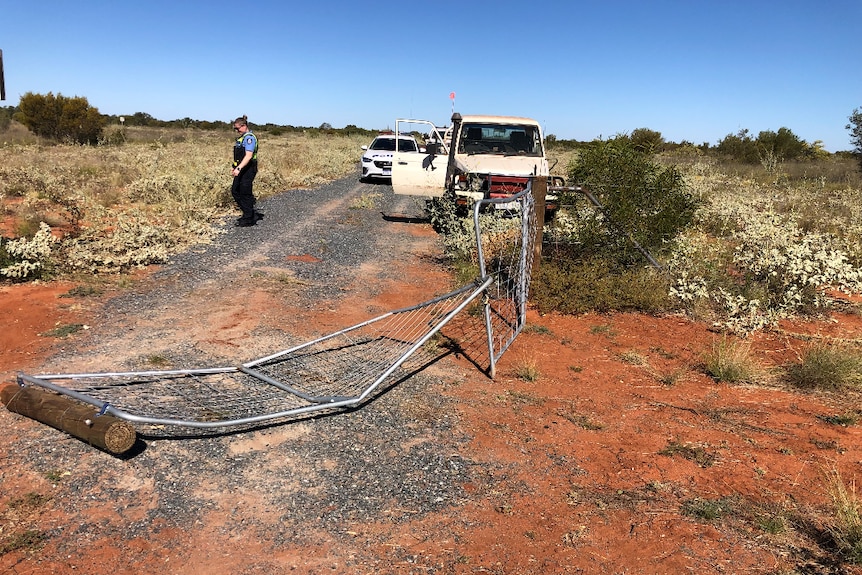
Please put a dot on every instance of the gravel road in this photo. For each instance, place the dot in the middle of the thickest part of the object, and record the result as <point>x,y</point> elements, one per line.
<point>303,482</point>
<point>318,242</point>
<point>321,223</point>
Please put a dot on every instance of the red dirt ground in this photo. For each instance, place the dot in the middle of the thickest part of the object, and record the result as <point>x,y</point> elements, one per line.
<point>595,459</point>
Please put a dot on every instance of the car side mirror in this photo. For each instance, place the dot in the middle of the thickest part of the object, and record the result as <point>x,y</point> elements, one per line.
<point>364,147</point>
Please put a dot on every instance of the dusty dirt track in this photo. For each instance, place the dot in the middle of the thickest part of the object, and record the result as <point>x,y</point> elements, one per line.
<point>587,469</point>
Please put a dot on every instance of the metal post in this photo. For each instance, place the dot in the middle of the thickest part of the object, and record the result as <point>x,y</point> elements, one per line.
<point>526,275</point>
<point>540,189</point>
<point>2,80</point>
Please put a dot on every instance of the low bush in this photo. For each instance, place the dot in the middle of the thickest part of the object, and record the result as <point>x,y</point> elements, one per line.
<point>644,203</point>
<point>28,258</point>
<point>826,367</point>
<point>598,258</point>
<point>730,361</point>
<point>573,287</point>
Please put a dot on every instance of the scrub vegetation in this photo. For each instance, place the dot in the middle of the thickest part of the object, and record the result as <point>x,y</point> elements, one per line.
<point>112,207</point>
<point>738,243</point>
<point>742,234</point>
<point>743,243</point>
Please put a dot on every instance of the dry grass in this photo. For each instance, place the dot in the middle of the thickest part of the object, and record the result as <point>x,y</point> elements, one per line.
<point>130,204</point>
<point>826,367</point>
<point>846,525</point>
<point>293,160</point>
<point>527,368</point>
<point>730,361</point>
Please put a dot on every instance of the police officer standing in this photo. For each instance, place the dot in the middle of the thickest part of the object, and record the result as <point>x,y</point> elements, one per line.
<point>244,169</point>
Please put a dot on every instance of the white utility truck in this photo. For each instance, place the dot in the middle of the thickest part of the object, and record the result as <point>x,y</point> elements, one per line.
<point>476,157</point>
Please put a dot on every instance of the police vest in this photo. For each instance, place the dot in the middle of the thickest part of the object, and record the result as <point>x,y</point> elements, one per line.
<point>239,149</point>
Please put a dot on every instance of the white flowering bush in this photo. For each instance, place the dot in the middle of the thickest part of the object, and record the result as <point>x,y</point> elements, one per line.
<point>497,233</point>
<point>29,256</point>
<point>133,242</point>
<point>793,264</point>
<point>759,254</point>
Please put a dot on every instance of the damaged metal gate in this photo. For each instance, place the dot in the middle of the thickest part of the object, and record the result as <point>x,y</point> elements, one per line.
<point>340,370</point>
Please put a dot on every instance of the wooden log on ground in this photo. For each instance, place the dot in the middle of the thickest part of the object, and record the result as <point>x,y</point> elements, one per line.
<point>66,414</point>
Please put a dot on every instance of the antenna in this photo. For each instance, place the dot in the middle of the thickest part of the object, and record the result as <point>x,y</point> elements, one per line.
<point>2,81</point>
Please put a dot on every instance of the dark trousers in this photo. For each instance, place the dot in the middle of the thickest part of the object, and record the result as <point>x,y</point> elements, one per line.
<point>242,193</point>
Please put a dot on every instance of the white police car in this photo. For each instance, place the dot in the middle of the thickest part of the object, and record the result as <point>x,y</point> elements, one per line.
<point>377,158</point>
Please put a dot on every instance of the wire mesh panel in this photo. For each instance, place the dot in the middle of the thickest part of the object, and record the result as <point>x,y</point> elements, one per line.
<point>339,370</point>
<point>336,371</point>
<point>505,250</point>
<point>206,398</point>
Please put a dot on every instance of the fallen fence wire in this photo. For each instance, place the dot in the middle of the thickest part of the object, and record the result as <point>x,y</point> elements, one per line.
<point>340,370</point>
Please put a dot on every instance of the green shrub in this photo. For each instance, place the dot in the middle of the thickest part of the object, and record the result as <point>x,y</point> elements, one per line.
<point>60,118</point>
<point>591,256</point>
<point>573,287</point>
<point>826,367</point>
<point>769,148</point>
<point>646,140</point>
<point>643,201</point>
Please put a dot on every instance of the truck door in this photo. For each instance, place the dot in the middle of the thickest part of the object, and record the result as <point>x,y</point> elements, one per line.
<point>422,174</point>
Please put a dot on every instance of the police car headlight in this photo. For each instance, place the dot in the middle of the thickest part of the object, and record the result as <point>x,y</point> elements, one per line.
<point>366,160</point>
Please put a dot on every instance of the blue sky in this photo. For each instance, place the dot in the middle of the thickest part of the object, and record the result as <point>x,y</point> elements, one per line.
<point>693,70</point>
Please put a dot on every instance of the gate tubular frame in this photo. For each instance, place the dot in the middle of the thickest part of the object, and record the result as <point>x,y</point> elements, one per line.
<point>253,371</point>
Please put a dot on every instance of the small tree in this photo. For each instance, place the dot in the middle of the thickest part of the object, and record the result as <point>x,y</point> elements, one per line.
<point>855,127</point>
<point>647,140</point>
<point>783,144</point>
<point>740,147</point>
<point>60,118</point>
<point>642,200</point>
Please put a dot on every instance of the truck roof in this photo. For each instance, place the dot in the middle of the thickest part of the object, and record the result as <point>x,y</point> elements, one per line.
<point>497,120</point>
